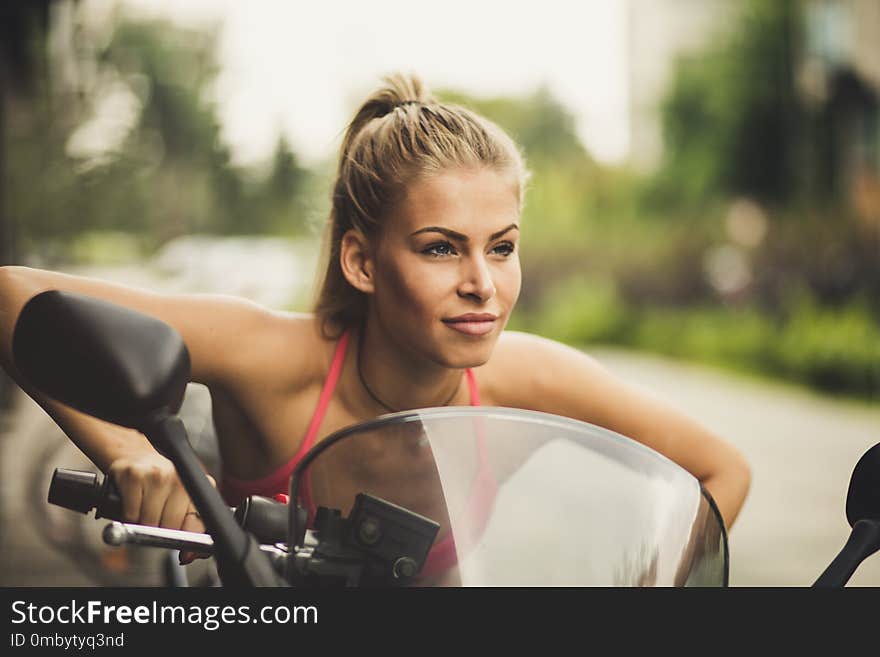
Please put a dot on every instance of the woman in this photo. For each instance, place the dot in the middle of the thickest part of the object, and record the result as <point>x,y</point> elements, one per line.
<point>422,274</point>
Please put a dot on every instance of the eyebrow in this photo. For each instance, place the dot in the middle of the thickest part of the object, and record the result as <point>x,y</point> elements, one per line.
<point>458,236</point>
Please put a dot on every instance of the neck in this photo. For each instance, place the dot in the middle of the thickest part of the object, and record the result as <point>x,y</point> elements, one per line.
<point>390,379</point>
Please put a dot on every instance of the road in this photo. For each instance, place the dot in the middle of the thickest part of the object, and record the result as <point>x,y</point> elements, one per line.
<point>802,448</point>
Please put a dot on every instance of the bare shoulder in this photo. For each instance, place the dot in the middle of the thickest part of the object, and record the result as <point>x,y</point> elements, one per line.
<point>279,361</point>
<point>240,344</point>
<point>531,371</point>
<point>284,351</point>
<point>519,344</point>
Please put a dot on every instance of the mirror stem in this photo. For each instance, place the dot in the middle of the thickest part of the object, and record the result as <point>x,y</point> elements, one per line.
<point>864,540</point>
<point>239,559</point>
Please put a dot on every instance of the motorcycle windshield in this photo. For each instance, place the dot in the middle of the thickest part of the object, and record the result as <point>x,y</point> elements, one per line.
<point>526,499</point>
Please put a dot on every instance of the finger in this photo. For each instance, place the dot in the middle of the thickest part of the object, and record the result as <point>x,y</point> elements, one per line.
<point>155,494</point>
<point>174,512</point>
<point>131,493</point>
<point>192,521</point>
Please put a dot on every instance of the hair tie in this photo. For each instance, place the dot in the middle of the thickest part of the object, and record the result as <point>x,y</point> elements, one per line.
<point>408,102</point>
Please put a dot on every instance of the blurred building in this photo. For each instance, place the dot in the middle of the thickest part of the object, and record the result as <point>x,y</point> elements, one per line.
<point>838,76</point>
<point>844,34</point>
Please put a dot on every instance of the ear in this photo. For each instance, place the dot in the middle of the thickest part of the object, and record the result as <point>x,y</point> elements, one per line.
<point>356,260</point>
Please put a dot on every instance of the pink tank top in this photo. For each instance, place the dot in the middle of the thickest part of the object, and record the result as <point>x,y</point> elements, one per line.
<point>443,554</point>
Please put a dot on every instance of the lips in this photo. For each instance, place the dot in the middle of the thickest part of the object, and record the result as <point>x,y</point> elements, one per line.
<point>472,323</point>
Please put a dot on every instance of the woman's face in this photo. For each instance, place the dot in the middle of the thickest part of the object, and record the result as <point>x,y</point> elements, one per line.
<point>447,272</point>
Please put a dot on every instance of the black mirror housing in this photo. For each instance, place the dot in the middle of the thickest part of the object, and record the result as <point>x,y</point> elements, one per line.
<point>101,358</point>
<point>863,496</point>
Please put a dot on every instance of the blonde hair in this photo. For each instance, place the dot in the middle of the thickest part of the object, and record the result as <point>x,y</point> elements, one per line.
<point>399,134</point>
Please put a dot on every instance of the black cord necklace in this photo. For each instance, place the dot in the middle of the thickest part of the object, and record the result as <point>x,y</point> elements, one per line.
<point>373,394</point>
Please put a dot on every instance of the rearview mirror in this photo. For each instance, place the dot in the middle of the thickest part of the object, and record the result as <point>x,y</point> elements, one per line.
<point>101,358</point>
<point>863,496</point>
<point>863,515</point>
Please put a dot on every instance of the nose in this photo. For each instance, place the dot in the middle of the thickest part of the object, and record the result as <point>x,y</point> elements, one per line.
<point>476,279</point>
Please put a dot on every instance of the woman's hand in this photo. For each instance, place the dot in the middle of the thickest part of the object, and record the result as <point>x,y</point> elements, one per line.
<point>152,494</point>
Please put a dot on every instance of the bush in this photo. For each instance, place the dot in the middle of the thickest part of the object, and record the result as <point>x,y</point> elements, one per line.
<point>578,310</point>
<point>728,336</point>
<point>834,350</point>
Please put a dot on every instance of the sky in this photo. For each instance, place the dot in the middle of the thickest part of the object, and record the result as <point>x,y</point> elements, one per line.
<point>302,68</point>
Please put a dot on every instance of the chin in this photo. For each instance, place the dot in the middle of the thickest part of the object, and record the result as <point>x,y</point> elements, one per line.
<point>464,356</point>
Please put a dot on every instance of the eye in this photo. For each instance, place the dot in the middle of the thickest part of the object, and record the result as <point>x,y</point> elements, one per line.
<point>505,249</point>
<point>439,250</point>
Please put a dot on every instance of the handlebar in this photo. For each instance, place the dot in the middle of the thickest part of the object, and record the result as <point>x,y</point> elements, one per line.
<point>82,491</point>
<point>338,551</point>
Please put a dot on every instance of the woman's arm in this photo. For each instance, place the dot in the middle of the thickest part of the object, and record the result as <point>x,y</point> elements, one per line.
<point>214,330</point>
<point>555,378</point>
<point>214,327</point>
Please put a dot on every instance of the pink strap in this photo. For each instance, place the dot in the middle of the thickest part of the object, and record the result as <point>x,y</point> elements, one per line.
<point>234,490</point>
<point>472,386</point>
<point>317,418</point>
<point>326,395</point>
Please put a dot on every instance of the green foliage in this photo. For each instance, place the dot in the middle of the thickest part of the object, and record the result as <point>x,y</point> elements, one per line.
<point>106,248</point>
<point>539,123</point>
<point>280,199</point>
<point>830,349</point>
<point>176,67</point>
<point>732,120</point>
<point>579,311</point>
<point>836,351</point>
<point>739,338</point>
<point>170,173</point>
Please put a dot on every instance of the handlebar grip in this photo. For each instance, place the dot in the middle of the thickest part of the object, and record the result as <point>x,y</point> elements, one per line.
<point>83,491</point>
<point>265,518</point>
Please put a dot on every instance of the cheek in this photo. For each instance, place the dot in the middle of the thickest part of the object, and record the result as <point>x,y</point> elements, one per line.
<point>414,286</point>
<point>509,282</point>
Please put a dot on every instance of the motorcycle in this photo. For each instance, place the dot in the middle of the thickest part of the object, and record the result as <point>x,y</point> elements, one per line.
<point>457,496</point>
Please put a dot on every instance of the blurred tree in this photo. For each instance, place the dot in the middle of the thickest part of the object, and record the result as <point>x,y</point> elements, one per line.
<point>23,27</point>
<point>179,121</point>
<point>284,177</point>
<point>142,152</point>
<point>277,203</point>
<point>184,180</point>
<point>539,123</point>
<point>732,120</point>
<point>847,134</point>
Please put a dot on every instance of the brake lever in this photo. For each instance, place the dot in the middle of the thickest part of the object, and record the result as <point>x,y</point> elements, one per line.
<point>122,533</point>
